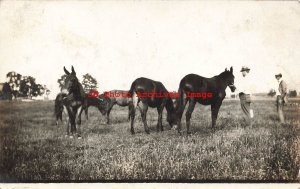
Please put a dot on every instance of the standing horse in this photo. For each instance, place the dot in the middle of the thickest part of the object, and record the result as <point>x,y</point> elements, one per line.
<point>59,106</point>
<point>148,86</point>
<point>118,97</point>
<point>101,103</point>
<point>195,84</point>
<point>74,101</point>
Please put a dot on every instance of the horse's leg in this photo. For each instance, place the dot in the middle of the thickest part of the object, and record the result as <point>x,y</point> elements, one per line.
<point>159,121</point>
<point>214,113</point>
<point>57,118</point>
<point>180,112</point>
<point>79,115</point>
<point>128,113</point>
<point>86,110</point>
<point>72,116</point>
<point>132,115</point>
<point>108,112</point>
<point>107,115</point>
<point>79,124</point>
<point>133,107</point>
<point>143,110</point>
<point>60,115</point>
<point>188,114</point>
<point>67,113</point>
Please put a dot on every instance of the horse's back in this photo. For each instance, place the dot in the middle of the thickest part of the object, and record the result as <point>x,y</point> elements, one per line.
<point>144,85</point>
<point>148,85</point>
<point>123,99</point>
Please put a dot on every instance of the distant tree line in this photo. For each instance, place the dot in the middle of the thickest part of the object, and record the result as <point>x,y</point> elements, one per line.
<point>291,93</point>
<point>21,86</point>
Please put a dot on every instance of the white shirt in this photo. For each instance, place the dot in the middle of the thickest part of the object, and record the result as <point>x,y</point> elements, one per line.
<point>245,85</point>
<point>277,86</point>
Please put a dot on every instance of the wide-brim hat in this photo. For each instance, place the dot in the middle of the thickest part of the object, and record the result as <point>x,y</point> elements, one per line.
<point>278,75</point>
<point>245,68</point>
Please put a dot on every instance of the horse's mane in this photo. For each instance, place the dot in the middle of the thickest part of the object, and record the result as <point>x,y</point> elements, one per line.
<point>223,75</point>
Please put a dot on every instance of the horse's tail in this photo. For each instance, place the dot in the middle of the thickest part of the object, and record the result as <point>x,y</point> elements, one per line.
<point>134,98</point>
<point>131,90</point>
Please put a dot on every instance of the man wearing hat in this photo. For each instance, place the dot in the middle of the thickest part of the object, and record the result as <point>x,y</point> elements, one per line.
<point>245,94</point>
<point>281,94</point>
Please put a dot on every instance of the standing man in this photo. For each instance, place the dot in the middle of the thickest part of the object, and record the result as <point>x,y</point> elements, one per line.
<point>281,98</point>
<point>245,94</point>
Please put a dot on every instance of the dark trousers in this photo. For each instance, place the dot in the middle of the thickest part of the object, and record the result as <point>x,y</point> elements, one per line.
<point>280,104</point>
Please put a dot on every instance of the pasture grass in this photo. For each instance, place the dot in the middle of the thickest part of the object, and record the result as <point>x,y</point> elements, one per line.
<point>33,148</point>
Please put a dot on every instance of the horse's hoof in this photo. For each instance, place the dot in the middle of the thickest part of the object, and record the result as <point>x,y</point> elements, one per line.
<point>66,135</point>
<point>70,136</point>
<point>79,137</point>
<point>132,132</point>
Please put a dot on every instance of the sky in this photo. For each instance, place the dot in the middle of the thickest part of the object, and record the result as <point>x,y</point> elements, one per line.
<point>119,41</point>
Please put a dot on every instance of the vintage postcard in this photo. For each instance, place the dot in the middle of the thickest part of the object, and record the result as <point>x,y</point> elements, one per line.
<point>171,93</point>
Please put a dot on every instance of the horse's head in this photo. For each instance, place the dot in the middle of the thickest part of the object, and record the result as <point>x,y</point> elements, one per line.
<point>71,81</point>
<point>102,104</point>
<point>229,78</point>
<point>171,112</point>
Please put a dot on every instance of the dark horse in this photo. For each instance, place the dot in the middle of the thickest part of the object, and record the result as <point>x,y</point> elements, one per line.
<point>118,97</point>
<point>59,106</point>
<point>146,86</point>
<point>101,103</point>
<point>74,101</point>
<point>192,86</point>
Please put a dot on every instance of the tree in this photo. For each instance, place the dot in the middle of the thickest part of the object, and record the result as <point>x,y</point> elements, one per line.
<point>292,93</point>
<point>13,76</point>
<point>6,93</point>
<point>61,82</point>
<point>272,93</point>
<point>37,90</point>
<point>89,83</point>
<point>14,80</point>
<point>29,88</point>
<point>24,88</point>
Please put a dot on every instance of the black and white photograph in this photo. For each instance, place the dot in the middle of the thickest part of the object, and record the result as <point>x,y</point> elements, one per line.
<point>160,92</point>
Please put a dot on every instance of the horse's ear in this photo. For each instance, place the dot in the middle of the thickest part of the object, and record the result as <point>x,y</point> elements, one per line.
<point>226,70</point>
<point>66,71</point>
<point>73,71</point>
<point>231,69</point>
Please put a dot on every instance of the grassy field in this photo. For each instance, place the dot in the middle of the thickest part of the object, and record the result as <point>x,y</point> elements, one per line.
<point>33,148</point>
